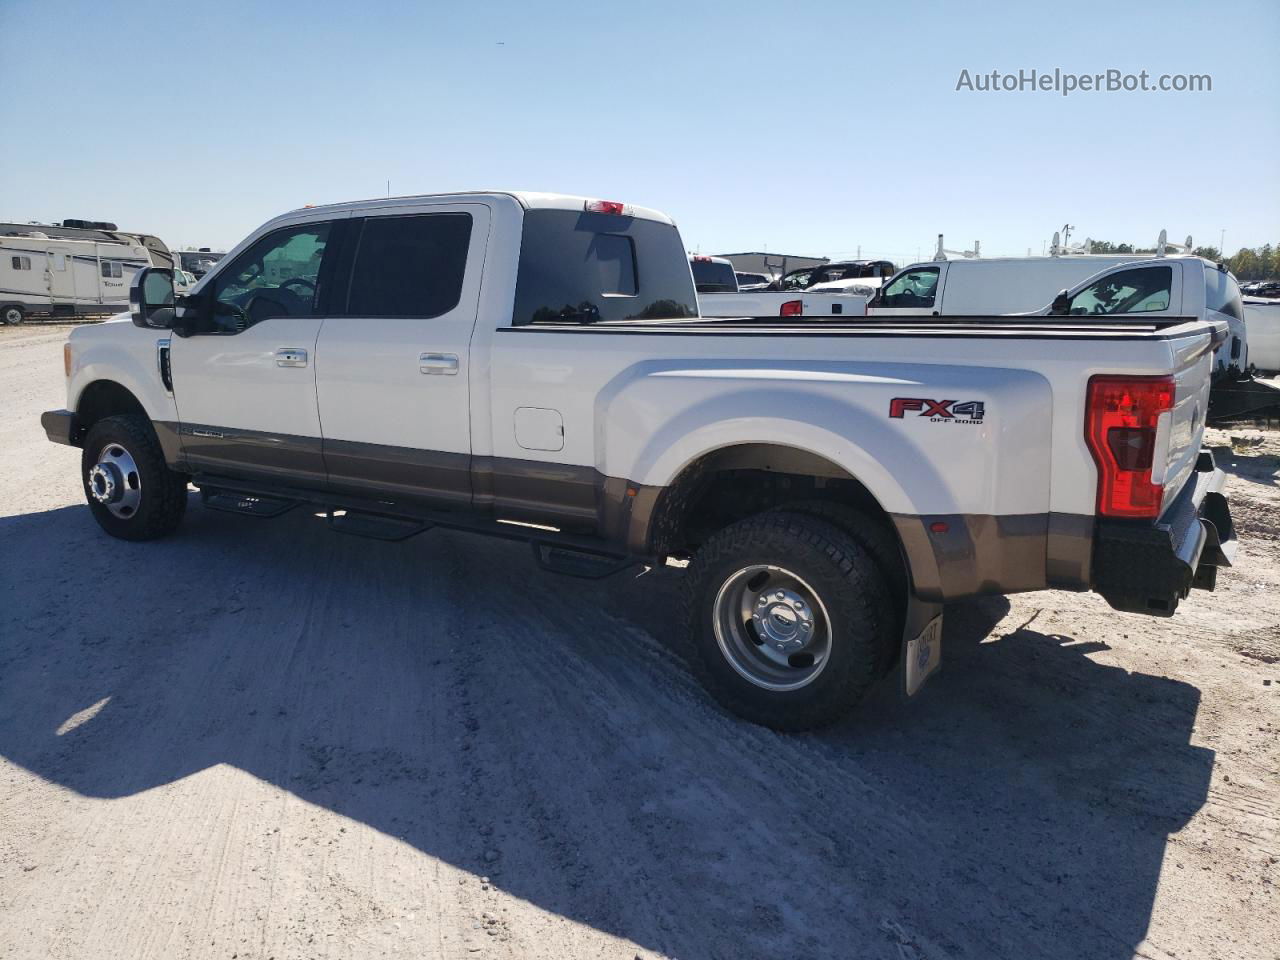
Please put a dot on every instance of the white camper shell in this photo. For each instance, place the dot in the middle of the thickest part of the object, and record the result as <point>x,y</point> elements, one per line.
<point>58,276</point>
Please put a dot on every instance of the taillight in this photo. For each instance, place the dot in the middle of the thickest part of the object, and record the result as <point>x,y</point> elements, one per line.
<point>792,308</point>
<point>604,206</point>
<point>1120,421</point>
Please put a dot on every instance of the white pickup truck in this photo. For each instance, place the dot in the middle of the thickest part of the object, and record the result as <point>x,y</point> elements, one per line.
<point>533,366</point>
<point>716,284</point>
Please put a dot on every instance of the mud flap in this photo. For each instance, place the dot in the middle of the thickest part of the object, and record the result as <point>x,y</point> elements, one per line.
<point>921,645</point>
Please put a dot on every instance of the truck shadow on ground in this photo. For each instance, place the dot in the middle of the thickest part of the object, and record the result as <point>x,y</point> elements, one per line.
<point>544,732</point>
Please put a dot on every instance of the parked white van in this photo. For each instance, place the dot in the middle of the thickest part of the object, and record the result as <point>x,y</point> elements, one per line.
<point>1093,285</point>
<point>59,276</point>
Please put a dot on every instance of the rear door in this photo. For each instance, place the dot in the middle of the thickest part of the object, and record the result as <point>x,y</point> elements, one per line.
<point>393,359</point>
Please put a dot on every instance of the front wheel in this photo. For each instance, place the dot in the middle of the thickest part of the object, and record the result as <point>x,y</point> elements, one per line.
<point>131,491</point>
<point>12,315</point>
<point>790,620</point>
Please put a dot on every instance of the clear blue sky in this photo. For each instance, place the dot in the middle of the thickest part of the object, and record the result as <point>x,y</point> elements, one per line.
<point>806,127</point>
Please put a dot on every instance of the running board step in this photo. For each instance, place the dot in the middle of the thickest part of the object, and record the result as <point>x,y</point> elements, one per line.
<point>246,505</point>
<point>375,526</point>
<point>578,563</point>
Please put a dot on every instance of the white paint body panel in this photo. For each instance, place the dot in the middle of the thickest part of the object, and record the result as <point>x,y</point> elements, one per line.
<point>235,381</point>
<point>116,350</point>
<point>643,407</point>
<point>1262,320</point>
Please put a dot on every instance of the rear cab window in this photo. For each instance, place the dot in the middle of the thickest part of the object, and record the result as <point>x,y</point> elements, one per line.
<point>580,268</point>
<point>712,277</point>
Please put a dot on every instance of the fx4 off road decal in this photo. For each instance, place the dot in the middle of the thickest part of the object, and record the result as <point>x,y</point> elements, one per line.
<point>938,411</point>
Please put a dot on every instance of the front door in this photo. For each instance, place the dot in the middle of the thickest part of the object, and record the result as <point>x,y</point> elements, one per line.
<point>245,382</point>
<point>914,291</point>
<point>392,367</point>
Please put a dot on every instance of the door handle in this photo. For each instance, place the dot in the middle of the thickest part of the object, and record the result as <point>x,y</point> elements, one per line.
<point>439,364</point>
<point>291,357</point>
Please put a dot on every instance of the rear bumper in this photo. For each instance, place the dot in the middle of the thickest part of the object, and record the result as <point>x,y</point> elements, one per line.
<point>60,427</point>
<point>1149,568</point>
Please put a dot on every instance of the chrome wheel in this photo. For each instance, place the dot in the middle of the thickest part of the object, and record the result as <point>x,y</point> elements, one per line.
<point>114,481</point>
<point>772,627</point>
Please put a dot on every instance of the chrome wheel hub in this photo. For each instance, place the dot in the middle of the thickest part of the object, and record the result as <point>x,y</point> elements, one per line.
<point>114,481</point>
<point>772,627</point>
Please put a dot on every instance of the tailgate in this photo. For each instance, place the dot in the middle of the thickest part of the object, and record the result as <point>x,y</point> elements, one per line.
<point>1181,429</point>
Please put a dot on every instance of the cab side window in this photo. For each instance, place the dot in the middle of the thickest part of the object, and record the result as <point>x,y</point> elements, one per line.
<point>915,288</point>
<point>409,266</point>
<point>1141,290</point>
<point>279,276</point>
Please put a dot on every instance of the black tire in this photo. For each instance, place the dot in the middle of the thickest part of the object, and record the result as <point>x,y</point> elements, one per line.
<point>162,493</point>
<point>879,541</point>
<point>849,588</point>
<point>12,314</point>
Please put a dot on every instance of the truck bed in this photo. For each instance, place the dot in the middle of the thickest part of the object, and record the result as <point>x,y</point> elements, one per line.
<point>940,326</point>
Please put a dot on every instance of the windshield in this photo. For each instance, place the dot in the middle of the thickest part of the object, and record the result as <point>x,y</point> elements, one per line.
<point>712,277</point>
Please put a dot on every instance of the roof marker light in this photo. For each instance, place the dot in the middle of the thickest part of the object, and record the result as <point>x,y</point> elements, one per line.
<point>605,206</point>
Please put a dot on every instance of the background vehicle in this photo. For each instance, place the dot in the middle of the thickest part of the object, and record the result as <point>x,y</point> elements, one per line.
<point>97,230</point>
<point>838,275</point>
<point>198,262</point>
<point>753,281</point>
<point>713,275</point>
<point>1178,286</point>
<point>716,283</point>
<point>48,276</point>
<point>1262,321</point>
<point>831,483</point>
<point>1262,288</point>
<point>183,282</point>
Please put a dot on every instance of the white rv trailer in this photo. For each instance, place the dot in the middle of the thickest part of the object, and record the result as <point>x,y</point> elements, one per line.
<point>60,276</point>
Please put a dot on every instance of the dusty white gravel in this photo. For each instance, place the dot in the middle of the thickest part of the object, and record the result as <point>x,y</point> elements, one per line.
<point>259,739</point>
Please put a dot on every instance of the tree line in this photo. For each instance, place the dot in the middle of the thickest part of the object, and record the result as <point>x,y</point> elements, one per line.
<point>1247,263</point>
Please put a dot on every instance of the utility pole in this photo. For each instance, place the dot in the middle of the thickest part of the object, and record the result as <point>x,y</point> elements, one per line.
<point>1222,243</point>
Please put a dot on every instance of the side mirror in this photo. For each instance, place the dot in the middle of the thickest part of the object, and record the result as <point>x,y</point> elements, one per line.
<point>151,299</point>
<point>1061,304</point>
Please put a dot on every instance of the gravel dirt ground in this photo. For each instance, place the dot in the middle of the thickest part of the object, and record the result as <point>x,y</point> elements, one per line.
<point>261,740</point>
